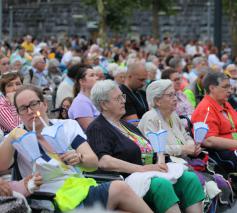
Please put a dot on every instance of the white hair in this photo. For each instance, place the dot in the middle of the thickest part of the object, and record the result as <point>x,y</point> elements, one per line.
<point>111,67</point>
<point>119,70</point>
<point>156,89</point>
<point>151,67</point>
<point>100,92</point>
<point>36,59</point>
<point>75,60</point>
<point>53,63</point>
<point>197,60</point>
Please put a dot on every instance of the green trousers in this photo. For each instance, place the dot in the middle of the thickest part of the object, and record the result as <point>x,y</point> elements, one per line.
<point>163,194</point>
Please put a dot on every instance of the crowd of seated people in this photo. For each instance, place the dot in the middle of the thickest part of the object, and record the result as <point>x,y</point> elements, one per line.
<point>106,122</point>
<point>114,195</point>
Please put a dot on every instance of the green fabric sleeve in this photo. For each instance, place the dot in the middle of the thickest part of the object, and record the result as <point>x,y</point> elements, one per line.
<point>190,96</point>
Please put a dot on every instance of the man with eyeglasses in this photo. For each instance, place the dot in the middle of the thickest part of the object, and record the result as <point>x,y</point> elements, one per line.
<point>221,118</point>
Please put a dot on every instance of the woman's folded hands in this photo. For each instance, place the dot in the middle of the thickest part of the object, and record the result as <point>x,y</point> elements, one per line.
<point>191,149</point>
<point>156,167</point>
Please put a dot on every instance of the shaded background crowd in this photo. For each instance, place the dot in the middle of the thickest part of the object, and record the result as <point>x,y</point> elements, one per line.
<point>51,64</point>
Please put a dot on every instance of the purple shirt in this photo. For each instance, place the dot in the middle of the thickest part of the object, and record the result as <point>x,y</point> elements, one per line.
<point>82,107</point>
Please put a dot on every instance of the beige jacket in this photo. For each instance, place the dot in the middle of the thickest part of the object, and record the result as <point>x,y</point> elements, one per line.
<point>150,122</point>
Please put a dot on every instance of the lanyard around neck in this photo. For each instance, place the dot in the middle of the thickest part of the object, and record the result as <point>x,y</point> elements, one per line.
<point>231,120</point>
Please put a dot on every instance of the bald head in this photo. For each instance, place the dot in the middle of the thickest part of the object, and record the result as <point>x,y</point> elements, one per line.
<point>135,67</point>
<point>136,75</point>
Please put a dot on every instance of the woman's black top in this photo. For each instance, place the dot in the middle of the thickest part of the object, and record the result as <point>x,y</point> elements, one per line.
<point>106,139</point>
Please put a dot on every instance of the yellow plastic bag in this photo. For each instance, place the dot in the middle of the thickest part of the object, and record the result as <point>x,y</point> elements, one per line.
<point>73,192</point>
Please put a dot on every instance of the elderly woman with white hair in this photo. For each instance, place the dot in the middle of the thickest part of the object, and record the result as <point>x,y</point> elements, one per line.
<point>119,75</point>
<point>162,101</point>
<point>121,147</point>
<point>161,98</point>
<point>111,68</point>
<point>99,72</point>
<point>151,68</point>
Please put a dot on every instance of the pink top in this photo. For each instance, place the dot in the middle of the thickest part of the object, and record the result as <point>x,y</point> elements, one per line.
<point>9,118</point>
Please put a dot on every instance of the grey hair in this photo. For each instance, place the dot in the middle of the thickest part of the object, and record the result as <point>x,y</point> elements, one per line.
<point>111,67</point>
<point>119,70</point>
<point>156,89</point>
<point>175,62</point>
<point>53,63</point>
<point>100,92</point>
<point>75,60</point>
<point>151,67</point>
<point>36,59</point>
<point>197,60</point>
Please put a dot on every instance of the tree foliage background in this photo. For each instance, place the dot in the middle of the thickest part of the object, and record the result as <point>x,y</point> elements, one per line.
<point>115,14</point>
<point>230,8</point>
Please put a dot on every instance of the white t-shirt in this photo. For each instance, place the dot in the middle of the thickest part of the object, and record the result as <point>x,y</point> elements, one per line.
<point>55,172</point>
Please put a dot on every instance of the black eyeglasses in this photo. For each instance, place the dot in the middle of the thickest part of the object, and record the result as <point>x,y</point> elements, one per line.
<point>33,105</point>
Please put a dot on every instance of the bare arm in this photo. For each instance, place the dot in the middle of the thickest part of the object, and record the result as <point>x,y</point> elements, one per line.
<point>6,153</point>
<point>89,159</point>
<point>220,143</point>
<point>84,122</point>
<point>83,156</point>
<point>109,163</point>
